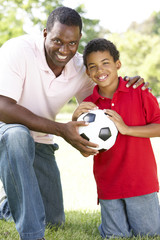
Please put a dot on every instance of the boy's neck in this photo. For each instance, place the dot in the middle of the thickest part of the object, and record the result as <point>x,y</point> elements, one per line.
<point>108,91</point>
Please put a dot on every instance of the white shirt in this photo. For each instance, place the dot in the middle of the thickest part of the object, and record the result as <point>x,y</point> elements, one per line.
<point>26,78</point>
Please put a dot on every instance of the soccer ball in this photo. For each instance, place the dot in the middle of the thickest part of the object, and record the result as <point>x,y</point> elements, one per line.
<point>101,130</point>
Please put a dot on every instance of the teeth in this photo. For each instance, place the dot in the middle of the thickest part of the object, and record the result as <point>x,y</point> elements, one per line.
<point>102,77</point>
<point>61,57</point>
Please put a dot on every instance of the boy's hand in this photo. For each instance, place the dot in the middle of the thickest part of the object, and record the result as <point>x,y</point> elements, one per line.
<point>117,119</point>
<point>136,81</point>
<point>82,108</point>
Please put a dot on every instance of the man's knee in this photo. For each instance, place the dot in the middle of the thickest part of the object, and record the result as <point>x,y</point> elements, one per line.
<point>15,134</point>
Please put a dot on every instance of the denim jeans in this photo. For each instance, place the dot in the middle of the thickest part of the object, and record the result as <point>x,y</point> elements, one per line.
<point>130,216</point>
<point>31,181</point>
<point>5,213</point>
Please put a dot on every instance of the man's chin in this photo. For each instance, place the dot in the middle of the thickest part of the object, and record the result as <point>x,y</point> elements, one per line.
<point>61,63</point>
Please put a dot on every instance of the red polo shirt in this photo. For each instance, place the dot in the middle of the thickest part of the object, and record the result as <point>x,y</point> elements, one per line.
<point>129,168</point>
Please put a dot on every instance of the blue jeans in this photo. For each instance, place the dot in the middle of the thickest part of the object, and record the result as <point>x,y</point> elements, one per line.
<point>5,212</point>
<point>130,216</point>
<point>31,181</point>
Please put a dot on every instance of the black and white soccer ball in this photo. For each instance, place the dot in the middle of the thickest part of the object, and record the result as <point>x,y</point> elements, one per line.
<point>101,130</point>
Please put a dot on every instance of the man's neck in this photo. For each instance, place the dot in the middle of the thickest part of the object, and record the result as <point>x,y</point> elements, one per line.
<point>57,71</point>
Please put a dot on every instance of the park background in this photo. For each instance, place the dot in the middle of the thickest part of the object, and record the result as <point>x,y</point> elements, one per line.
<point>79,188</point>
<point>134,26</point>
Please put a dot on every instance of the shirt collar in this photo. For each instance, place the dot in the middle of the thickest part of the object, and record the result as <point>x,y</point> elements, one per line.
<point>121,88</point>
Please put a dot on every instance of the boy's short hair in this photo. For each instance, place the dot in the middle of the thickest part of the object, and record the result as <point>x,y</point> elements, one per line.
<point>64,15</point>
<point>100,44</point>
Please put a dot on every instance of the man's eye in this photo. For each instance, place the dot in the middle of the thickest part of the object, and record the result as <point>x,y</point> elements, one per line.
<point>72,43</point>
<point>57,41</point>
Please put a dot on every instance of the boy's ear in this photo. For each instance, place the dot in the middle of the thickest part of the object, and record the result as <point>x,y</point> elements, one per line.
<point>87,72</point>
<point>118,64</point>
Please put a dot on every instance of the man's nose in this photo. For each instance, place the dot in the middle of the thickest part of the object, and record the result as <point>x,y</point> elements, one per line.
<point>64,49</point>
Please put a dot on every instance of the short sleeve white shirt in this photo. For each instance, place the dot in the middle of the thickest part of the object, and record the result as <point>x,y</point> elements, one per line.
<point>26,78</point>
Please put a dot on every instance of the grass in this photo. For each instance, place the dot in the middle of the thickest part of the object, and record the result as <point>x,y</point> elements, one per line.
<point>80,225</point>
<point>68,108</point>
<point>79,190</point>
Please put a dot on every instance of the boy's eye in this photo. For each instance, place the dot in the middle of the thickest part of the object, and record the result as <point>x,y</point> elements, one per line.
<point>92,67</point>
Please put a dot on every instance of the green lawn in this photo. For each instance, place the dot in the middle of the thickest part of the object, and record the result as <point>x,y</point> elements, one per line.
<point>80,197</point>
<point>80,225</point>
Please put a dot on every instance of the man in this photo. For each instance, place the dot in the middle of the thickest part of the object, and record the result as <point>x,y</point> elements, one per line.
<point>37,77</point>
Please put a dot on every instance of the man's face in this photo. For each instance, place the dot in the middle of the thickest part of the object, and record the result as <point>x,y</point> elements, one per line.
<point>61,44</point>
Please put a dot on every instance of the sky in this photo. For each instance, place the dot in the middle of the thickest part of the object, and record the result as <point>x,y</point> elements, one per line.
<point>117,15</point>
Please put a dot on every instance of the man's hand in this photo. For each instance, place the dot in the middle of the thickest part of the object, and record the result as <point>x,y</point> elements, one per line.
<point>69,131</point>
<point>85,155</point>
<point>136,81</point>
<point>83,108</point>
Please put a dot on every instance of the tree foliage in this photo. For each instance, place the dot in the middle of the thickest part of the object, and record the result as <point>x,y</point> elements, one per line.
<point>140,51</point>
<point>156,24</point>
<point>10,21</point>
<point>15,13</point>
<point>139,46</point>
<point>150,26</point>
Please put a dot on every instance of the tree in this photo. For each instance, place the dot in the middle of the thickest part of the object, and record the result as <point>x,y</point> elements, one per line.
<point>133,47</point>
<point>140,55</point>
<point>15,13</point>
<point>150,69</point>
<point>10,23</point>
<point>156,25</point>
<point>150,26</point>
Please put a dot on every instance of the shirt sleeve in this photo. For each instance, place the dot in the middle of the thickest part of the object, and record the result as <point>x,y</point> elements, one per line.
<point>12,69</point>
<point>151,107</point>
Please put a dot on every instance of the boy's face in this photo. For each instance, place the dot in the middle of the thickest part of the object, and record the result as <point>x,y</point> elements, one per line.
<point>102,68</point>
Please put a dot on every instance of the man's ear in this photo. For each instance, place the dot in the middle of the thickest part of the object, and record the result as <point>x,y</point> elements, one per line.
<point>44,32</point>
<point>80,36</point>
<point>118,64</point>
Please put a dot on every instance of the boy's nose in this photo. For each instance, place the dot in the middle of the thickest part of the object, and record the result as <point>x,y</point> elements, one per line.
<point>99,69</point>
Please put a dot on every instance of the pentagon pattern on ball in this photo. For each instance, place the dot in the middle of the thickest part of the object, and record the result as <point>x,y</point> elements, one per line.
<point>89,117</point>
<point>100,130</point>
<point>105,133</point>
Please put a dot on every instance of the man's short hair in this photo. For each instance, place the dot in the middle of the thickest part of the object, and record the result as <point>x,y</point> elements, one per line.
<point>64,15</point>
<point>100,44</point>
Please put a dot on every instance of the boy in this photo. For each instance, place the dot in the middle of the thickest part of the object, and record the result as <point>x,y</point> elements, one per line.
<point>126,174</point>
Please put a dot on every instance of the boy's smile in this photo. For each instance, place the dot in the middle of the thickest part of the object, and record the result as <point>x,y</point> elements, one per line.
<point>102,78</point>
<point>103,71</point>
